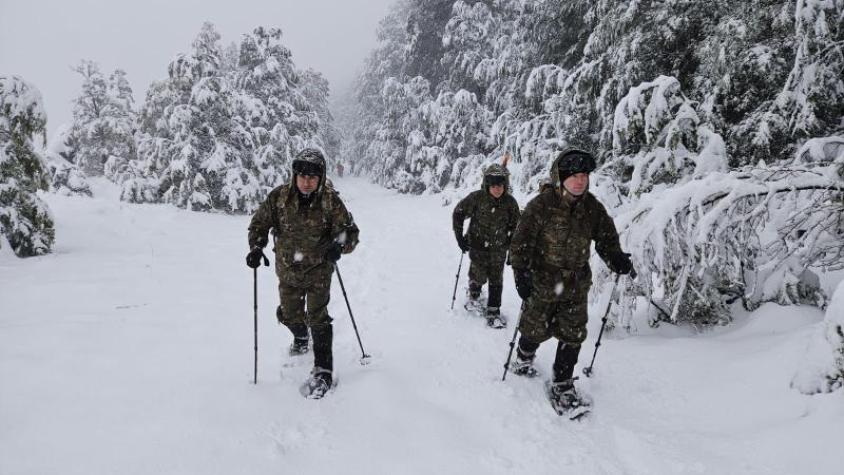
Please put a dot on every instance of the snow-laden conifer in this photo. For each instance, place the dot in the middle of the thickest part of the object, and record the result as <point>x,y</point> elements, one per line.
<point>26,223</point>
<point>102,131</point>
<point>66,178</point>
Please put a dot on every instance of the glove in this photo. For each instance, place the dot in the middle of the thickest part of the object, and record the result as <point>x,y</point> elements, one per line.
<point>620,263</point>
<point>253,259</point>
<point>334,252</point>
<point>524,283</point>
<point>463,243</point>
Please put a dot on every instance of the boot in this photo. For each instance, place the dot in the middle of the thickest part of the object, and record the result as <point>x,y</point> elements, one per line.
<point>323,339</point>
<point>525,353</point>
<point>298,347</point>
<point>300,339</point>
<point>566,401</point>
<point>474,290</point>
<point>494,298</point>
<point>319,383</point>
<point>494,318</point>
<point>565,360</point>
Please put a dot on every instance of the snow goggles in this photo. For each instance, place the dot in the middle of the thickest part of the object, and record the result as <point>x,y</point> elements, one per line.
<point>302,167</point>
<point>494,180</point>
<point>576,162</point>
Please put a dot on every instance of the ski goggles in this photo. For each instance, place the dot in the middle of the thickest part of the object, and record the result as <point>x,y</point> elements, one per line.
<point>495,180</point>
<point>576,162</point>
<point>302,167</point>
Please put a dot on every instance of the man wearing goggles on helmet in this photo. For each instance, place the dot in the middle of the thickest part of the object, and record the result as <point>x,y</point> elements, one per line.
<point>311,229</point>
<point>550,258</point>
<point>493,214</point>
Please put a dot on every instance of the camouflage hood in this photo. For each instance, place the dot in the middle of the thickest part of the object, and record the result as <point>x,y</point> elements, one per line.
<point>574,160</point>
<point>496,170</point>
<point>315,158</point>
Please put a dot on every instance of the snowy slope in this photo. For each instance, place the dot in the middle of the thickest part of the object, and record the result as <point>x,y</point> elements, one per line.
<point>129,350</point>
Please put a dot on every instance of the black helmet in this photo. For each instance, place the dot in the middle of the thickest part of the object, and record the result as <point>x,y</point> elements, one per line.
<point>309,161</point>
<point>496,174</point>
<point>573,161</point>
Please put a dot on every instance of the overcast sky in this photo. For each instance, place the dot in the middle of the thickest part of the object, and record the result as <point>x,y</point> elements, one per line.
<point>41,40</point>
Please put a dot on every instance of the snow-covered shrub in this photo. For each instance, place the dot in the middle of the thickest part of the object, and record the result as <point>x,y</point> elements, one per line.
<point>822,370</point>
<point>25,220</point>
<point>753,235</point>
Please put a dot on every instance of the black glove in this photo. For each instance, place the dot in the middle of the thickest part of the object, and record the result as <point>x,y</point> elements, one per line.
<point>253,259</point>
<point>524,283</point>
<point>620,262</point>
<point>463,243</point>
<point>334,252</point>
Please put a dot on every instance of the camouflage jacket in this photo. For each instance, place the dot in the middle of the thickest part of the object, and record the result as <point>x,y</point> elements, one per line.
<point>303,233</point>
<point>492,220</point>
<point>556,231</point>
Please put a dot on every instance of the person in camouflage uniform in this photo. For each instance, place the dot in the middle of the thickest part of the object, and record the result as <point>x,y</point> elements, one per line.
<point>493,214</point>
<point>311,229</point>
<point>549,254</point>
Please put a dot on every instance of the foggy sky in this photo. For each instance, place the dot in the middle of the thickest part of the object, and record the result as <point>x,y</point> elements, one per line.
<point>41,40</point>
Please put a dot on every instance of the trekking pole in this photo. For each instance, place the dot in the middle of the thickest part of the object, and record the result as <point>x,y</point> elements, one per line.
<point>365,358</point>
<point>255,308</point>
<point>456,279</point>
<point>513,342</point>
<point>588,371</point>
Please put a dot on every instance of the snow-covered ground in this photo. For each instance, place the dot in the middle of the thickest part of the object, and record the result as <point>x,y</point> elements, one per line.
<point>129,351</point>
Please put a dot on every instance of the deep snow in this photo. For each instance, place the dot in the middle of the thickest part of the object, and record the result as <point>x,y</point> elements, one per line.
<point>129,350</point>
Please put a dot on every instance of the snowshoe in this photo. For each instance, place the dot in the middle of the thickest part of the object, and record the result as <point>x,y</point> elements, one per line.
<point>320,382</point>
<point>298,347</point>
<point>525,368</point>
<point>566,401</point>
<point>474,307</point>
<point>494,318</point>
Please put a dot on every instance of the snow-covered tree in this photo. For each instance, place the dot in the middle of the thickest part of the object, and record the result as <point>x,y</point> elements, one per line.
<point>756,234</point>
<point>183,157</point>
<point>695,111</point>
<point>103,122</point>
<point>273,105</point>
<point>219,134</point>
<point>316,90</point>
<point>65,176</point>
<point>25,221</point>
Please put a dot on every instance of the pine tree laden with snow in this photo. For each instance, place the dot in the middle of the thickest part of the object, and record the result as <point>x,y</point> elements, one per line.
<point>25,221</point>
<point>66,178</point>
<point>103,122</point>
<point>219,134</point>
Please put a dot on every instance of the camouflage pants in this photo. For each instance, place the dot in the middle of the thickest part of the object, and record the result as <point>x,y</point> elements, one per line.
<point>557,308</point>
<point>487,266</point>
<point>305,302</point>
